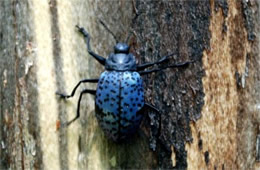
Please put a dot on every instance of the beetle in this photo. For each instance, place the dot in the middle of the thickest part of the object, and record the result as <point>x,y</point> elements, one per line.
<point>119,96</point>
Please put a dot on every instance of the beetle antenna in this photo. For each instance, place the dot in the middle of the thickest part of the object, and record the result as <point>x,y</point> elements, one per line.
<point>104,25</point>
<point>130,33</point>
<point>137,14</point>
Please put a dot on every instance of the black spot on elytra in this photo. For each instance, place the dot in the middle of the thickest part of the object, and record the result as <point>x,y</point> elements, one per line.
<point>112,91</point>
<point>108,122</point>
<point>114,116</point>
<point>126,93</point>
<point>131,99</point>
<point>130,109</point>
<point>111,104</point>
<point>99,101</point>
<point>107,81</point>
<point>113,99</point>
<point>106,99</point>
<point>134,104</point>
<point>139,105</point>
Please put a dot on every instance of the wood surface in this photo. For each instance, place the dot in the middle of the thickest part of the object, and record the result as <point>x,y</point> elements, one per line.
<point>210,111</point>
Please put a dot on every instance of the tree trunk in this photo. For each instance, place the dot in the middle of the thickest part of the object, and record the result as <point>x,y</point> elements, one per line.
<point>209,110</point>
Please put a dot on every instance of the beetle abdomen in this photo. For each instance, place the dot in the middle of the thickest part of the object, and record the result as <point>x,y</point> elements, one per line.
<point>119,100</point>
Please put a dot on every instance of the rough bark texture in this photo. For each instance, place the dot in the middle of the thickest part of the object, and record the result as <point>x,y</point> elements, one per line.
<point>20,140</point>
<point>163,28</point>
<point>225,136</point>
<point>209,110</point>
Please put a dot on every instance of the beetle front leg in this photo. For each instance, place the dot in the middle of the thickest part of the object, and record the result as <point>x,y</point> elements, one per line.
<point>99,58</point>
<point>93,92</point>
<point>75,88</point>
<point>161,60</point>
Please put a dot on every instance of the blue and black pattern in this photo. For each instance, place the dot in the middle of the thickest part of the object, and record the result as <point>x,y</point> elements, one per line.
<point>119,100</point>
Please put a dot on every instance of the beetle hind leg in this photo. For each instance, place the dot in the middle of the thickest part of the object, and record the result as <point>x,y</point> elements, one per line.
<point>184,64</point>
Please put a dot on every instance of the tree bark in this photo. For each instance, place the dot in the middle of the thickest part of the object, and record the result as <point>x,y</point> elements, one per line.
<point>209,109</point>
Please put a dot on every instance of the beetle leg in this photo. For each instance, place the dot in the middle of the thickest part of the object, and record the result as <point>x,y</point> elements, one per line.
<point>93,92</point>
<point>152,107</point>
<point>99,58</point>
<point>75,88</point>
<point>155,125</point>
<point>161,60</point>
<point>169,66</point>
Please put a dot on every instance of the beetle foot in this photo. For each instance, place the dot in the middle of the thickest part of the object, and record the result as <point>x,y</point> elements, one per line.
<point>62,96</point>
<point>82,31</point>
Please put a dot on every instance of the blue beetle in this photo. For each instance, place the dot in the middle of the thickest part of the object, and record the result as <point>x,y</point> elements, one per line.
<point>119,96</point>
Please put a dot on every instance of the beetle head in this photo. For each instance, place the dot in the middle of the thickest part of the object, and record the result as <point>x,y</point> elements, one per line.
<point>121,48</point>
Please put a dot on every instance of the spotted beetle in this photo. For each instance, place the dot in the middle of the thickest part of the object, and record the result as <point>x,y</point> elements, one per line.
<point>119,97</point>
